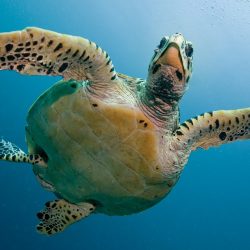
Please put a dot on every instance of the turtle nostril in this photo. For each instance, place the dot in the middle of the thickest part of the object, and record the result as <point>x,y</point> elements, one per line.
<point>189,50</point>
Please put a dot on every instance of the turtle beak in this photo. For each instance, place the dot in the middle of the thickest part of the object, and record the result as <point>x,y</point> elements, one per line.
<point>172,57</point>
<point>174,51</point>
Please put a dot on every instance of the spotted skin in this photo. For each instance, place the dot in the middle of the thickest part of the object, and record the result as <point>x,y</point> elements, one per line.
<point>215,128</point>
<point>59,214</point>
<point>10,152</point>
<point>36,51</point>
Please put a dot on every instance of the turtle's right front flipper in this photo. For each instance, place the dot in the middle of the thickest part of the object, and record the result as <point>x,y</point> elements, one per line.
<point>36,51</point>
<point>10,152</point>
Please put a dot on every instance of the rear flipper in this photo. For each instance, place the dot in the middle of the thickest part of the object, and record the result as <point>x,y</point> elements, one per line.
<point>59,214</point>
<point>10,152</point>
<point>215,128</point>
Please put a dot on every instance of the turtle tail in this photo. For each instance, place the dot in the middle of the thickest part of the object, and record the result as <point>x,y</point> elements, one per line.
<point>10,152</point>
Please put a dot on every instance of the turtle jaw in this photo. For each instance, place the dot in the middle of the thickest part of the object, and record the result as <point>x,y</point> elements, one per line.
<point>172,57</point>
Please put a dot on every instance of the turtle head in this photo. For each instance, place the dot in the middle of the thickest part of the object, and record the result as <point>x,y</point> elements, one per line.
<point>169,71</point>
<point>174,51</point>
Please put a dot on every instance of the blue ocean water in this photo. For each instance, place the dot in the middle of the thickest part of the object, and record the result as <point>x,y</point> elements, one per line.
<point>209,207</point>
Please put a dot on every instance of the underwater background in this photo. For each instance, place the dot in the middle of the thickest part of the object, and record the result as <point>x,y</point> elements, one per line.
<point>210,206</point>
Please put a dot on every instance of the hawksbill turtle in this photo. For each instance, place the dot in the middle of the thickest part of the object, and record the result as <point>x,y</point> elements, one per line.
<point>102,141</point>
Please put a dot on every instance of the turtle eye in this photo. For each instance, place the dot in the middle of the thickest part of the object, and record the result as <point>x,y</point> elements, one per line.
<point>189,50</point>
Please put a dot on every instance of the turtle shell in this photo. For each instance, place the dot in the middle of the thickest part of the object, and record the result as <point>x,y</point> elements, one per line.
<point>98,149</point>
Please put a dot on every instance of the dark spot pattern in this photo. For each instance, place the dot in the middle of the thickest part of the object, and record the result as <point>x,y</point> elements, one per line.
<point>27,51</point>
<point>222,136</point>
<point>63,67</point>
<point>59,214</point>
<point>75,54</point>
<point>39,58</point>
<point>8,47</point>
<point>58,47</point>
<point>223,126</point>
<point>10,57</point>
<point>50,43</point>
<point>217,123</point>
<point>156,68</point>
<point>179,75</point>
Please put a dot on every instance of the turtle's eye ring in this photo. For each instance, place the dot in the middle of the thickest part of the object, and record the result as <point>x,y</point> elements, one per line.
<point>189,50</point>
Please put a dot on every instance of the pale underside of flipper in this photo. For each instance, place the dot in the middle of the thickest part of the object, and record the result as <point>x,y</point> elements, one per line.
<point>215,128</point>
<point>10,152</point>
<point>59,214</point>
<point>36,51</point>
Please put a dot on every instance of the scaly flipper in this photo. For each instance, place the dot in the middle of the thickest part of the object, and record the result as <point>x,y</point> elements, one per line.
<point>36,51</point>
<point>59,214</point>
<point>215,128</point>
<point>10,152</point>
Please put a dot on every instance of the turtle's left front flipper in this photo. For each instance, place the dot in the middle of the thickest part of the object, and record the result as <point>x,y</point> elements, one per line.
<point>10,152</point>
<point>215,128</point>
<point>59,214</point>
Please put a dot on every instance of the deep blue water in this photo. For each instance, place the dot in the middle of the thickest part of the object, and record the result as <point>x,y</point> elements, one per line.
<point>209,207</point>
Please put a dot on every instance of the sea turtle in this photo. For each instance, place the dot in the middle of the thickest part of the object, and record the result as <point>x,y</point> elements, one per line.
<point>102,141</point>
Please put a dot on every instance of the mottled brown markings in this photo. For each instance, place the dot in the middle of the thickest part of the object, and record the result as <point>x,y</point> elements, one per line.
<point>86,59</point>
<point>178,132</point>
<point>58,47</point>
<point>39,58</point>
<point>8,47</point>
<point>20,67</point>
<point>26,54</point>
<point>185,125</point>
<point>50,43</point>
<point>67,52</point>
<point>75,54</point>
<point>19,49</point>
<point>83,54</point>
<point>10,57</point>
<point>217,124</point>
<point>113,77</point>
<point>63,67</point>
<point>179,75</point>
<point>108,62</point>
<point>156,67</point>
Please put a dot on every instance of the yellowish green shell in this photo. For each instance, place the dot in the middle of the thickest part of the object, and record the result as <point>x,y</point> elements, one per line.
<point>98,151</point>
